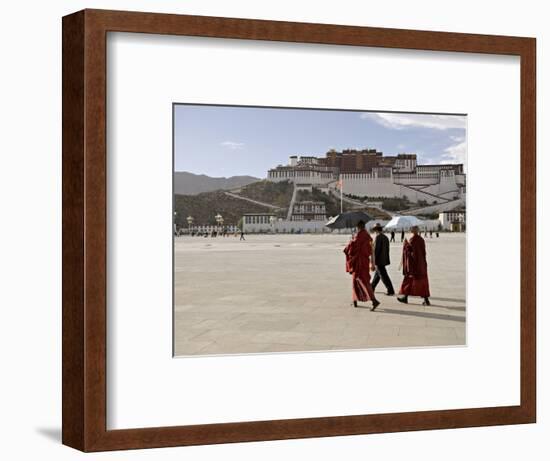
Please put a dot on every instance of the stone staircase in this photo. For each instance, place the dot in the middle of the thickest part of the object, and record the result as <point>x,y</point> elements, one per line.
<point>419,190</point>
<point>440,207</point>
<point>256,202</point>
<point>292,200</point>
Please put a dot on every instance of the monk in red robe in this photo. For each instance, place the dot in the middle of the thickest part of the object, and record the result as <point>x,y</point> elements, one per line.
<point>415,269</point>
<point>358,261</point>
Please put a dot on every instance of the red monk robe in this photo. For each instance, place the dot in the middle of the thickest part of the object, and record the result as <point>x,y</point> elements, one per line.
<point>415,268</point>
<point>358,253</point>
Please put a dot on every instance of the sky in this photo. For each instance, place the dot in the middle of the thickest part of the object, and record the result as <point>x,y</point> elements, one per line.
<point>224,141</point>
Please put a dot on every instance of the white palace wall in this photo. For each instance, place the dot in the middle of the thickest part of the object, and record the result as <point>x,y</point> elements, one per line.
<point>428,186</point>
<point>448,188</point>
<point>371,187</point>
<point>414,188</point>
<point>301,176</point>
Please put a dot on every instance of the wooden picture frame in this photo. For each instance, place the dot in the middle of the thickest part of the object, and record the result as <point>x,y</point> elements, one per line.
<point>85,222</point>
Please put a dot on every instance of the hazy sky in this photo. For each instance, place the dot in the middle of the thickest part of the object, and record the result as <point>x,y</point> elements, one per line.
<point>228,141</point>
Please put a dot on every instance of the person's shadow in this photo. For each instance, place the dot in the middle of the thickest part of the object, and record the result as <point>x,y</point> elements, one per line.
<point>52,433</point>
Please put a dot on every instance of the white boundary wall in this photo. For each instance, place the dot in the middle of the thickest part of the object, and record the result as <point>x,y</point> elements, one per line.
<point>288,227</point>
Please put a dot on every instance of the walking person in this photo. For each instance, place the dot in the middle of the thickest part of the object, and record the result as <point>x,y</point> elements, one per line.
<point>415,269</point>
<point>381,260</point>
<point>359,259</point>
<point>392,236</point>
<point>242,235</point>
<point>402,235</point>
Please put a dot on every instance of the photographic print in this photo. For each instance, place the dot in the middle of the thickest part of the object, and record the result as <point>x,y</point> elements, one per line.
<point>300,230</point>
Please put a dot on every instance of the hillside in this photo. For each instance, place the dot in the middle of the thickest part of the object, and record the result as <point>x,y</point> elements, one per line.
<point>203,207</point>
<point>190,184</point>
<point>275,193</point>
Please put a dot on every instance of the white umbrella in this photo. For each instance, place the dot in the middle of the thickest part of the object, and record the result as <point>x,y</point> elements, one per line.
<point>403,223</point>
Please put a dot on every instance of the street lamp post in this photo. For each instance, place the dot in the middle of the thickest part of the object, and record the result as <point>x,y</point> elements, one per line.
<point>219,220</point>
<point>190,220</point>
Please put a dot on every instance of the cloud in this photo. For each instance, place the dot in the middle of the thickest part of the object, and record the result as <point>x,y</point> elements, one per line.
<point>232,145</point>
<point>404,121</point>
<point>423,158</point>
<point>455,153</point>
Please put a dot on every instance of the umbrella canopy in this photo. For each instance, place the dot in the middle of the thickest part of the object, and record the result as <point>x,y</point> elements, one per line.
<point>348,220</point>
<point>403,223</point>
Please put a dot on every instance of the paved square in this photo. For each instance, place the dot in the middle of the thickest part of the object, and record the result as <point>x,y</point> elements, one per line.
<point>282,293</point>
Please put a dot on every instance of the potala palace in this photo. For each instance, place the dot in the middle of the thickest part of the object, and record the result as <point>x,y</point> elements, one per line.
<point>368,173</point>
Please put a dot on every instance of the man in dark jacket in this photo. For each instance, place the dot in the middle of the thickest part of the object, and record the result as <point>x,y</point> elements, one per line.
<point>381,260</point>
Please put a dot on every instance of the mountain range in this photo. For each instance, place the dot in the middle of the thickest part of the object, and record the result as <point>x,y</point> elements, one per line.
<point>186,183</point>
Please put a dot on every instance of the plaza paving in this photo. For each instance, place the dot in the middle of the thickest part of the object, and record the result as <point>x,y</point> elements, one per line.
<point>283,293</point>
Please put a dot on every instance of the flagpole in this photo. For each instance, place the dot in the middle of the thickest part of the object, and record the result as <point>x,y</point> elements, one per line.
<point>341,196</point>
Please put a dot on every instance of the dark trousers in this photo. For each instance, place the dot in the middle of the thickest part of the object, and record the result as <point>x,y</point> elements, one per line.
<point>381,273</point>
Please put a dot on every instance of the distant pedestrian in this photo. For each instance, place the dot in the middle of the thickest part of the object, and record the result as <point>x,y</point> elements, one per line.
<point>431,233</point>
<point>402,235</point>
<point>436,234</point>
<point>392,235</point>
<point>242,236</point>
<point>381,260</point>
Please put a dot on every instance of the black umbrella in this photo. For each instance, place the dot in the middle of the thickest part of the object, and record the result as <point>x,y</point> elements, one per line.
<point>348,220</point>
